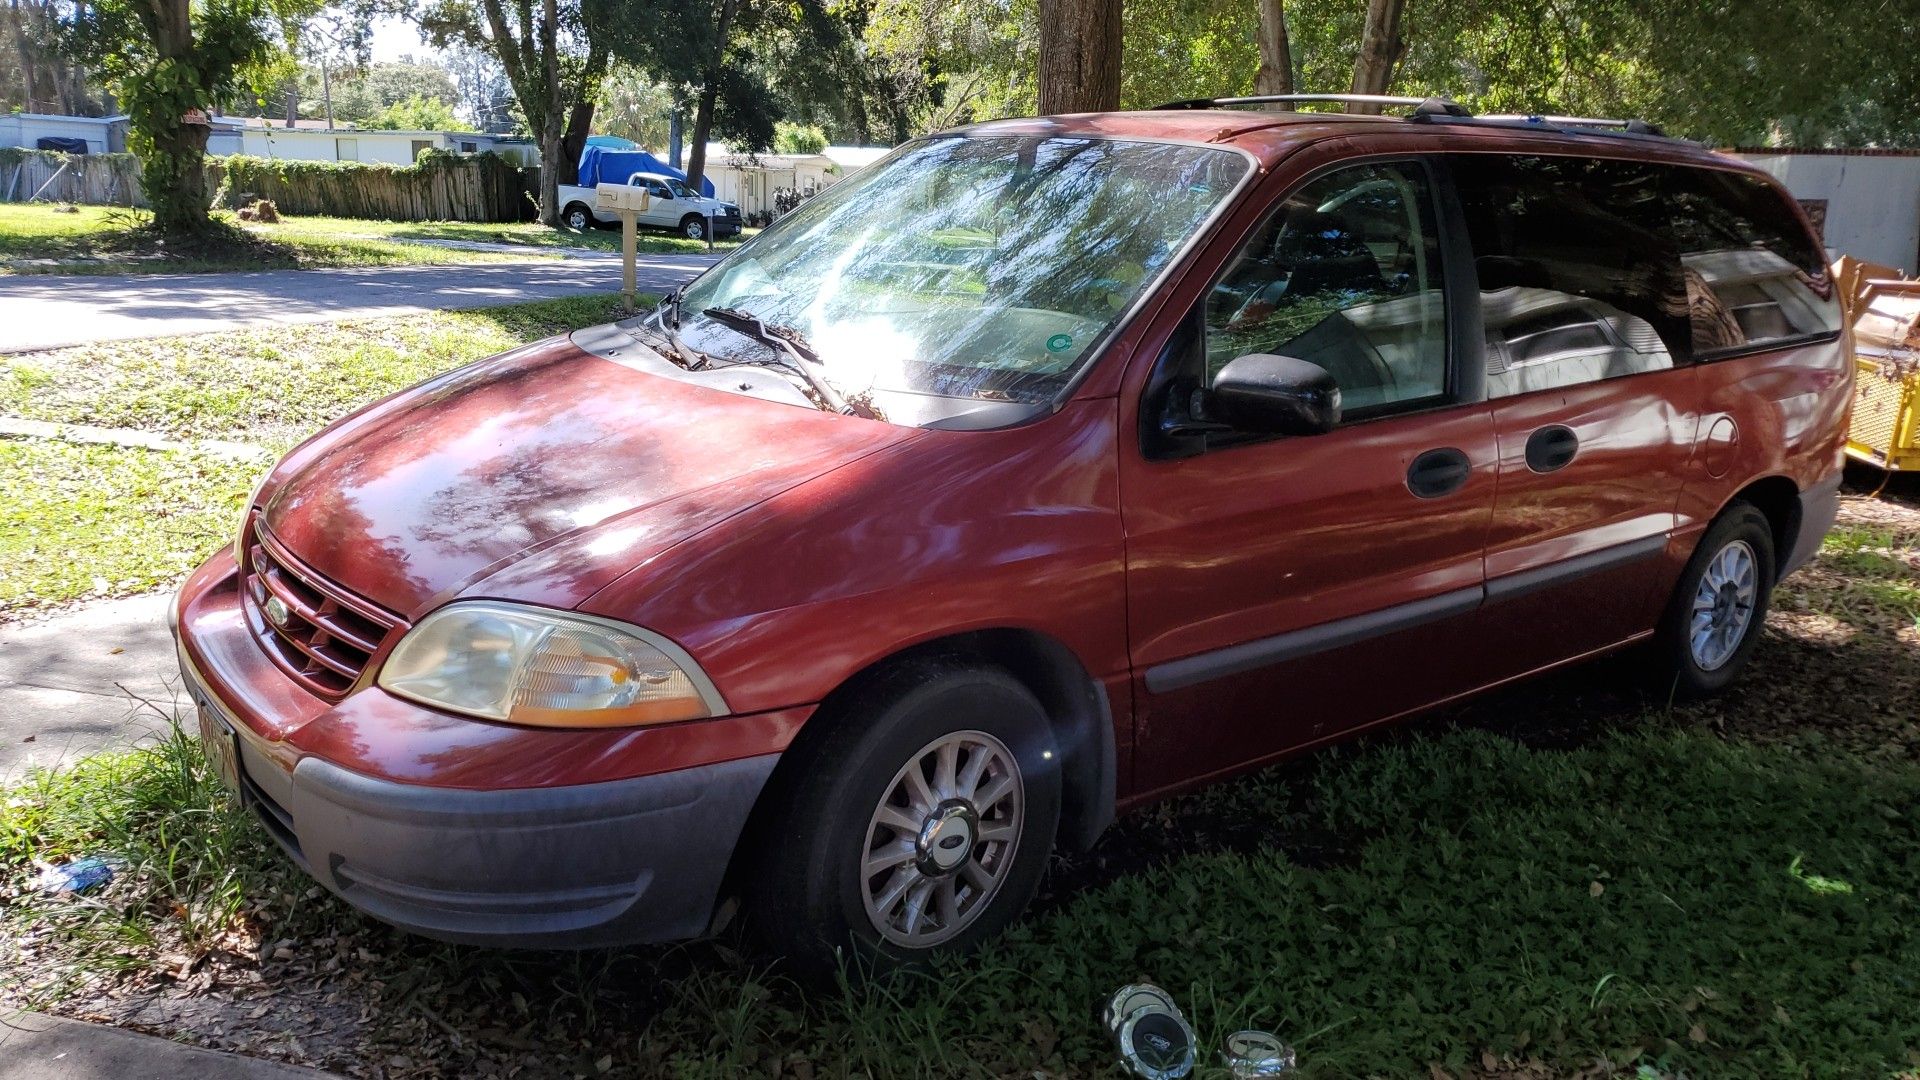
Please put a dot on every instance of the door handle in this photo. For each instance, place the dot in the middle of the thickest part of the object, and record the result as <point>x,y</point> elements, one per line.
<point>1438,472</point>
<point>1552,447</point>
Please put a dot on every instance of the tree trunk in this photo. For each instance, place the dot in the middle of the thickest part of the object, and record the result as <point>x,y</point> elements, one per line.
<point>1380,51</point>
<point>174,174</point>
<point>175,181</point>
<point>1275,75</point>
<point>709,97</point>
<point>293,101</point>
<point>579,126</point>
<point>550,130</point>
<point>1079,56</point>
<point>702,129</point>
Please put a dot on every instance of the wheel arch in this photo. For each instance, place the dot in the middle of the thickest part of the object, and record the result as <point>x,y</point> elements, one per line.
<point>1077,708</point>
<point>1778,499</point>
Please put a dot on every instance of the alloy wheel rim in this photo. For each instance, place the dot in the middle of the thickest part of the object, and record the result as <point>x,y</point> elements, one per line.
<point>942,840</point>
<point>1723,606</point>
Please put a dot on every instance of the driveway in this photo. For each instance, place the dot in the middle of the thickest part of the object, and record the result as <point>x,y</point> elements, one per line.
<point>48,311</point>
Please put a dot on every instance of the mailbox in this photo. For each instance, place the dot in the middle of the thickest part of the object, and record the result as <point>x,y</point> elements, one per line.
<point>613,198</point>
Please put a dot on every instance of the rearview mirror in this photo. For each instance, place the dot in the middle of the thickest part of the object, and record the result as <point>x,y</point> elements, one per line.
<point>1277,395</point>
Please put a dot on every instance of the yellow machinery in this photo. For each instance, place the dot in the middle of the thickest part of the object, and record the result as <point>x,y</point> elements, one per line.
<point>1884,308</point>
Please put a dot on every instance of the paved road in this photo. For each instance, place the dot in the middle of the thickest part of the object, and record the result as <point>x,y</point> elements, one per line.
<point>49,311</point>
<point>102,675</point>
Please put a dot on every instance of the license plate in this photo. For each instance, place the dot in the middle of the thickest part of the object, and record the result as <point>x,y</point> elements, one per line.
<point>217,742</point>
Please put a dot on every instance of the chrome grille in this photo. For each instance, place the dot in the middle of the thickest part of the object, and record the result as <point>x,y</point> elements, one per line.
<point>316,631</point>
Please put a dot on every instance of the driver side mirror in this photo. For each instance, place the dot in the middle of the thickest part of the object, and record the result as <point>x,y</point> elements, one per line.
<point>1275,395</point>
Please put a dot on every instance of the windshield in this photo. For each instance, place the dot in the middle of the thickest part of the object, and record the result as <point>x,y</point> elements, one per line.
<point>966,267</point>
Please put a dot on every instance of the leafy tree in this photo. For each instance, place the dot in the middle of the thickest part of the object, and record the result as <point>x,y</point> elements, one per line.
<point>795,139</point>
<point>170,63</point>
<point>554,55</point>
<point>482,91</point>
<point>417,113</point>
<point>38,72</point>
<point>950,63</point>
<point>633,106</point>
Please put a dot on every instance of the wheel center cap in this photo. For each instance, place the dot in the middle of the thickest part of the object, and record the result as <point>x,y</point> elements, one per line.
<point>946,837</point>
<point>1723,605</point>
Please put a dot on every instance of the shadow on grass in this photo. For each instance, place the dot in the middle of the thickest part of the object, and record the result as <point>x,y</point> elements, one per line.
<point>129,237</point>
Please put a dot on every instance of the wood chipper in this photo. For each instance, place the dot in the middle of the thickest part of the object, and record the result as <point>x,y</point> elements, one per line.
<point>1883,305</point>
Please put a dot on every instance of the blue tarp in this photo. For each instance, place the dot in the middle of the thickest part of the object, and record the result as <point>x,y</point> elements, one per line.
<point>599,165</point>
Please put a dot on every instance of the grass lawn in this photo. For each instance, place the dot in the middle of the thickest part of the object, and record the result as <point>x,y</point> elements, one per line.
<point>38,239</point>
<point>83,522</point>
<point>1562,879</point>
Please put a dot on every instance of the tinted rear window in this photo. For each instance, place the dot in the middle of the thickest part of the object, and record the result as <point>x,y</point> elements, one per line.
<point>1661,261</point>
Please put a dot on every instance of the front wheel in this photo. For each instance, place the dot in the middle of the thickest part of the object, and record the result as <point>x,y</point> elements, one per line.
<point>694,226</point>
<point>1712,623</point>
<point>920,820</point>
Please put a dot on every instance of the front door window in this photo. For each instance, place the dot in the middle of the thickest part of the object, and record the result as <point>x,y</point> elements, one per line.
<point>1345,274</point>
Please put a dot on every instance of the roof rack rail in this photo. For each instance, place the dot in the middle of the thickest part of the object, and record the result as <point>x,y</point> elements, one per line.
<point>1429,106</point>
<point>1635,127</point>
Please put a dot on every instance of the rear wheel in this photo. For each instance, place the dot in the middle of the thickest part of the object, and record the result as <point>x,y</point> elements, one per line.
<point>578,217</point>
<point>1712,623</point>
<point>922,819</point>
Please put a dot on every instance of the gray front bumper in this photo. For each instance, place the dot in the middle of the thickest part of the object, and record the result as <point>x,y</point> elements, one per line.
<point>600,864</point>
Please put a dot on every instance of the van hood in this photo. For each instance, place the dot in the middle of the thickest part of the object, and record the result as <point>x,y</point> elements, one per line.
<point>540,475</point>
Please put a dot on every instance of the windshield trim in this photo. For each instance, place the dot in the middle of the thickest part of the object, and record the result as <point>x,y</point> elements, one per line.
<point>1150,290</point>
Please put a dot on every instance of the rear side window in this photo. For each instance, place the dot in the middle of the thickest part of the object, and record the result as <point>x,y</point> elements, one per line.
<point>1580,277</point>
<point>1753,274</point>
<point>1595,269</point>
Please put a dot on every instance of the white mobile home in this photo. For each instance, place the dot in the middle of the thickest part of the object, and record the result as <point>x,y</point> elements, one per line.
<point>102,134</point>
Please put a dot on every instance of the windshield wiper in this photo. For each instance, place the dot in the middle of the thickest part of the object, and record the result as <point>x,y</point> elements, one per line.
<point>689,358</point>
<point>801,358</point>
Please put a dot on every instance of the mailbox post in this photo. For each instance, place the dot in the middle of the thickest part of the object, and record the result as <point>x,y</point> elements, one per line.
<point>627,201</point>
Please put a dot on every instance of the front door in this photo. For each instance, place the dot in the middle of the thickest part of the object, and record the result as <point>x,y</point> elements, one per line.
<point>661,210</point>
<point>1283,589</point>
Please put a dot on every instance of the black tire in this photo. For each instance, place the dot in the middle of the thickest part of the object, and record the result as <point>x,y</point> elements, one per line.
<point>693,227</point>
<point>1678,663</point>
<point>805,896</point>
<point>578,217</point>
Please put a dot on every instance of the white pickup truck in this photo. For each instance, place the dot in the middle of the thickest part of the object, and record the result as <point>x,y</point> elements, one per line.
<point>671,205</point>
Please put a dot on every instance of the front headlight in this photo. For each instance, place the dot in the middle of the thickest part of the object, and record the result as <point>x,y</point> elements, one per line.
<point>528,665</point>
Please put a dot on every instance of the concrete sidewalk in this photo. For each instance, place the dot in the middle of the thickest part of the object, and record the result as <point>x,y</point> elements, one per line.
<point>38,1047</point>
<point>99,676</point>
<point>47,311</point>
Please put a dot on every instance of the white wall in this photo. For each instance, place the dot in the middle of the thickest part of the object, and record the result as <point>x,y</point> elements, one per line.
<point>1873,201</point>
<point>305,144</point>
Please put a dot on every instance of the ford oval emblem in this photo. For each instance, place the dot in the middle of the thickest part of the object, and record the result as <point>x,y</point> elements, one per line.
<point>278,612</point>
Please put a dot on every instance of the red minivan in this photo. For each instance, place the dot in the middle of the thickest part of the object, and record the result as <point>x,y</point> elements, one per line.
<point>1047,467</point>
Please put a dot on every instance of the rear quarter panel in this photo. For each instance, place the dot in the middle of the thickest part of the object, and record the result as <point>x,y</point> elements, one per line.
<point>1788,412</point>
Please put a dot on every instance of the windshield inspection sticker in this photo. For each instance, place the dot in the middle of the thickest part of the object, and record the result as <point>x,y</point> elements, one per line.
<point>1059,342</point>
